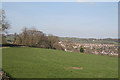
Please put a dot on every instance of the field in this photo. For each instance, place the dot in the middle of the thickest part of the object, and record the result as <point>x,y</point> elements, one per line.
<point>46,63</point>
<point>0,59</point>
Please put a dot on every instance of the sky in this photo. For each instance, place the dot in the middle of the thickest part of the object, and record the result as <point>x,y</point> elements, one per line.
<point>60,0</point>
<point>65,19</point>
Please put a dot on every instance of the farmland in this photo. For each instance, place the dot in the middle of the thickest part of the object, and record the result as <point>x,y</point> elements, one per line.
<point>47,63</point>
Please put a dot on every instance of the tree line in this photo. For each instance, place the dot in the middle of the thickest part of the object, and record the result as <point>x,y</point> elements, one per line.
<point>35,38</point>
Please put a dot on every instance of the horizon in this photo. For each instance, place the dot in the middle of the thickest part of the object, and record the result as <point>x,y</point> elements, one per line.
<point>82,20</point>
<point>74,37</point>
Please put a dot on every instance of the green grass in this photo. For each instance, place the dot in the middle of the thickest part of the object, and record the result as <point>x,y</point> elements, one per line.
<point>0,57</point>
<point>46,63</point>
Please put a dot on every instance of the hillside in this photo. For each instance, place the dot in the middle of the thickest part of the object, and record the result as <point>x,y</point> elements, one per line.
<point>46,63</point>
<point>90,40</point>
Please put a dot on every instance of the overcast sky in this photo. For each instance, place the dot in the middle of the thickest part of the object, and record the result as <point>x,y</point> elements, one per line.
<point>67,19</point>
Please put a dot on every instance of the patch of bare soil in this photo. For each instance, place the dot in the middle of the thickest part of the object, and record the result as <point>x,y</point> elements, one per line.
<point>78,68</point>
<point>5,47</point>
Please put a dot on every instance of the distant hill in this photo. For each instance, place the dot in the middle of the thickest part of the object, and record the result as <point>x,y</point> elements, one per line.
<point>90,40</point>
<point>79,40</point>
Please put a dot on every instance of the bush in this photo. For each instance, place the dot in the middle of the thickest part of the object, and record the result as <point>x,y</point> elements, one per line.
<point>82,50</point>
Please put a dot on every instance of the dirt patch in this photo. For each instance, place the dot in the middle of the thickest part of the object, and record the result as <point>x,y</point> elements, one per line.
<point>78,68</point>
<point>5,47</point>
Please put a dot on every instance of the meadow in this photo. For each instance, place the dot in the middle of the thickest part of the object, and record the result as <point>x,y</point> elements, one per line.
<point>29,62</point>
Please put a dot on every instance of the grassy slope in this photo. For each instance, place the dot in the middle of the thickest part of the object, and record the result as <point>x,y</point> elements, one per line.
<point>0,58</point>
<point>45,63</point>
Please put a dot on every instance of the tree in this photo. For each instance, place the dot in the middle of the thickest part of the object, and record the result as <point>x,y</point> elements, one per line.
<point>24,36</point>
<point>81,49</point>
<point>0,19</point>
<point>53,42</point>
<point>3,39</point>
<point>35,38</point>
<point>15,38</point>
<point>4,25</point>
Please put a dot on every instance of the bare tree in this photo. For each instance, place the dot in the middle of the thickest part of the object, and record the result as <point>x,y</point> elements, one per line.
<point>35,38</point>
<point>15,38</point>
<point>5,24</point>
<point>53,42</point>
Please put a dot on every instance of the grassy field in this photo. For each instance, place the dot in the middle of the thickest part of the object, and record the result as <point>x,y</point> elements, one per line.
<point>0,59</point>
<point>46,63</point>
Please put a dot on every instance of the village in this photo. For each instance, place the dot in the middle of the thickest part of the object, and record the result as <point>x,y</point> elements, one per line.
<point>90,48</point>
